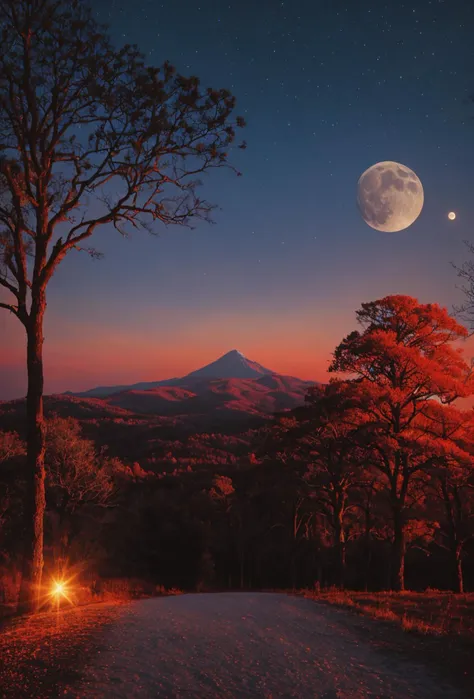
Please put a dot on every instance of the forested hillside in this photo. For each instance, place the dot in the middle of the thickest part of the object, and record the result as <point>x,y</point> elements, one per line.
<point>368,485</point>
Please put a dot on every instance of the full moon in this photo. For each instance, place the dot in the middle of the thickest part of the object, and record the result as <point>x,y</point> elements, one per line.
<point>451,215</point>
<point>390,196</point>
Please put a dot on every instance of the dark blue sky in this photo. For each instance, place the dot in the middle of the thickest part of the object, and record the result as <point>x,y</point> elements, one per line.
<point>328,89</point>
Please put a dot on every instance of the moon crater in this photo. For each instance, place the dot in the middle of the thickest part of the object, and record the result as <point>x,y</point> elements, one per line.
<point>390,196</point>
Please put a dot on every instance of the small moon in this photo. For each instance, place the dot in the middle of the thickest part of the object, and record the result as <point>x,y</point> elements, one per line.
<point>390,196</point>
<point>451,215</point>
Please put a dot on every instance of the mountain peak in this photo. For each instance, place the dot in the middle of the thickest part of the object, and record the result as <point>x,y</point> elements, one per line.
<point>232,365</point>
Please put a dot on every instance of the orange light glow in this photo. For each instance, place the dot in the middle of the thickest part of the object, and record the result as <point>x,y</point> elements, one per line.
<point>60,589</point>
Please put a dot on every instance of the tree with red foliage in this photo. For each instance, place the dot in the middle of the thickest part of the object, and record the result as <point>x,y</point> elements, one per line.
<point>402,361</point>
<point>90,136</point>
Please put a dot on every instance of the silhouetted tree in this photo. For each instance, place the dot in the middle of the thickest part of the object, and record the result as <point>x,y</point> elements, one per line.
<point>452,481</point>
<point>402,361</point>
<point>466,273</point>
<point>89,136</point>
<point>12,450</point>
<point>334,460</point>
<point>223,496</point>
<point>284,465</point>
<point>369,516</point>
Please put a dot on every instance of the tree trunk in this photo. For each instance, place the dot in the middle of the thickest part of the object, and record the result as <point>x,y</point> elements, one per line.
<point>367,545</point>
<point>35,500</point>
<point>293,571</point>
<point>241,553</point>
<point>458,577</point>
<point>397,582</point>
<point>368,560</point>
<point>341,562</point>
<point>319,574</point>
<point>340,552</point>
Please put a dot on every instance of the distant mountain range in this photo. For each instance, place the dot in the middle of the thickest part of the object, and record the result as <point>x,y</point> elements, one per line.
<point>233,365</point>
<point>230,387</point>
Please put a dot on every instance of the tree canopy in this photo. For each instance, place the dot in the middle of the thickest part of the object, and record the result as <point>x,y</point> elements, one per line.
<point>91,135</point>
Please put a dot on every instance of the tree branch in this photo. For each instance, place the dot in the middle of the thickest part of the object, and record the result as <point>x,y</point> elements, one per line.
<point>10,308</point>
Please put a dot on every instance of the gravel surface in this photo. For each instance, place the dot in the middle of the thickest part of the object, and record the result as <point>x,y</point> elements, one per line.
<point>230,645</point>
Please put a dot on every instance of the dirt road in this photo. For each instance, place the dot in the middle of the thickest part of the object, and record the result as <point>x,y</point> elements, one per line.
<point>246,645</point>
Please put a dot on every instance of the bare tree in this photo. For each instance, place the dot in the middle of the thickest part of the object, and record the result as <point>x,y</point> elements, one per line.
<point>89,136</point>
<point>465,272</point>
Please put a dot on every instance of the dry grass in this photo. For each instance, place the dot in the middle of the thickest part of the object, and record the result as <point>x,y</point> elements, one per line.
<point>429,613</point>
<point>434,628</point>
<point>112,591</point>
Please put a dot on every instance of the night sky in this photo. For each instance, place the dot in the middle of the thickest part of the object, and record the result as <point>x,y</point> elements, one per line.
<point>327,89</point>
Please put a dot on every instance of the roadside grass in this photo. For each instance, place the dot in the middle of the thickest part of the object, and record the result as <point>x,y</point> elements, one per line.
<point>109,591</point>
<point>433,627</point>
<point>127,589</point>
<point>432,612</point>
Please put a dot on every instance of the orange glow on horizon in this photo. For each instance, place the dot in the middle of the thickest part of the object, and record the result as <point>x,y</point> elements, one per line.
<point>79,357</point>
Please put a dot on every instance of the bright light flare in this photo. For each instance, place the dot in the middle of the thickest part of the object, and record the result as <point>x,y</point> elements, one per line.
<point>59,587</point>
<point>60,590</point>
